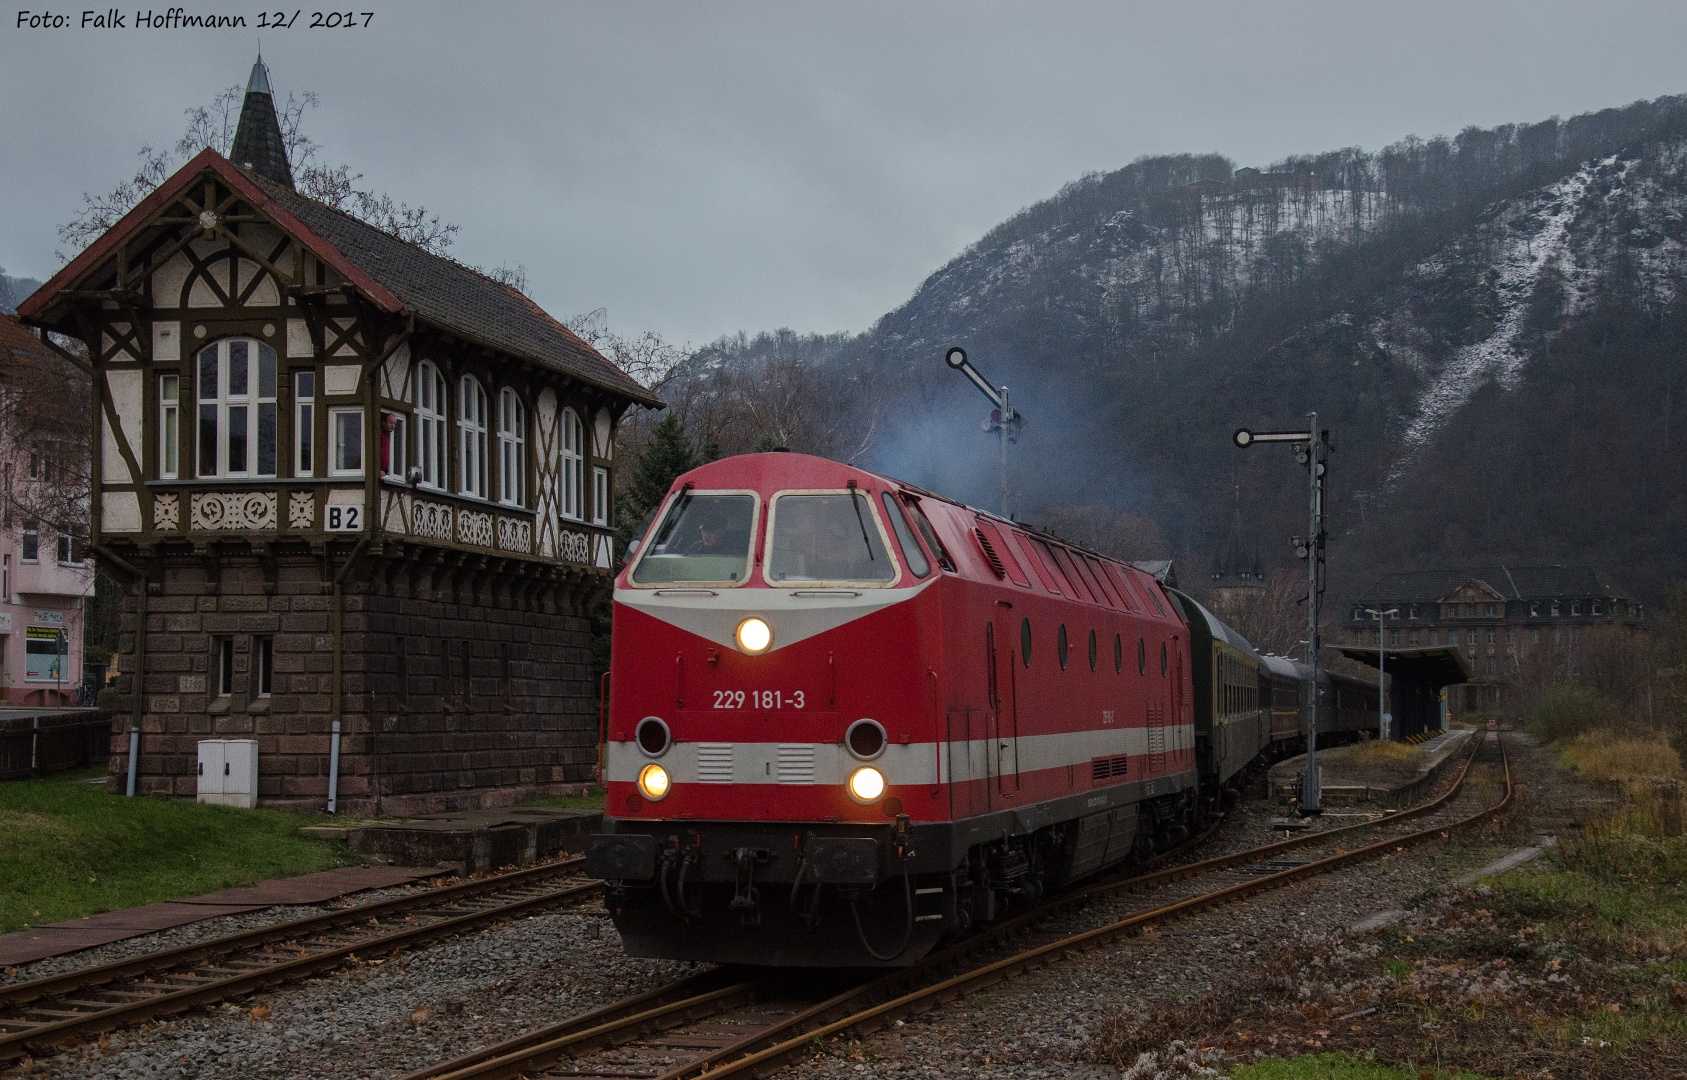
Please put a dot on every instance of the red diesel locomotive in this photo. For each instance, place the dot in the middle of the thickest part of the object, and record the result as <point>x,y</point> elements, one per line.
<point>850,717</point>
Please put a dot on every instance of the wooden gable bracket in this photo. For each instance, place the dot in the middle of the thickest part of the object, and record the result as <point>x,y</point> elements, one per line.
<point>46,339</point>
<point>371,366</point>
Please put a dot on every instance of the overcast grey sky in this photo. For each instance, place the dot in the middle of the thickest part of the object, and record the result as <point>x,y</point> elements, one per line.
<point>700,168</point>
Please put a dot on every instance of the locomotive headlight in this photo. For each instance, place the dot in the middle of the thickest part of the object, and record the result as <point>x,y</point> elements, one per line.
<point>866,784</point>
<point>754,635</point>
<point>653,782</point>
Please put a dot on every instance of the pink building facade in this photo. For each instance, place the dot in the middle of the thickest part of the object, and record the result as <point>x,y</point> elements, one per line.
<point>45,577</point>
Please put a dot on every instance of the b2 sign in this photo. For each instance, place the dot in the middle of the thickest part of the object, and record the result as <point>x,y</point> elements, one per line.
<point>345,518</point>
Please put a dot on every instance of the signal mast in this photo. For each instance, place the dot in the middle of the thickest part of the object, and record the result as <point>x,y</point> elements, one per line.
<point>1004,418</point>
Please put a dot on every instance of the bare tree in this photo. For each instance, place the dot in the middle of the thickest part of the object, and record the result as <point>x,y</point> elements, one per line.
<point>1273,619</point>
<point>44,457</point>
<point>1118,533</point>
<point>213,125</point>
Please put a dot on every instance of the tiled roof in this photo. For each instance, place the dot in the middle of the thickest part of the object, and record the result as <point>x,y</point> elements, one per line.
<point>452,296</point>
<point>18,343</point>
<point>1514,583</point>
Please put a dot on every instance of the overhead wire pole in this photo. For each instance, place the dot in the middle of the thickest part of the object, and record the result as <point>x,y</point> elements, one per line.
<point>1312,448</point>
<point>1004,420</point>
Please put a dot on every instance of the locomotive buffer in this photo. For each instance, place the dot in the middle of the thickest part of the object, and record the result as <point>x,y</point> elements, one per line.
<point>1312,448</point>
<point>1004,418</point>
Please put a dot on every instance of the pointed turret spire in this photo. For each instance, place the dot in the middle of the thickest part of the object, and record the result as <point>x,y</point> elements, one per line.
<point>257,140</point>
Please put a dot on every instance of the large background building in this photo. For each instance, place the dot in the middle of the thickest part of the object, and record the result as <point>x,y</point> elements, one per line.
<point>345,481</point>
<point>1508,621</point>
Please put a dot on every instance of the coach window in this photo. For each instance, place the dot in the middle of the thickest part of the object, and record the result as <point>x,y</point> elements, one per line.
<point>1025,641</point>
<point>827,537</point>
<point>1118,655</point>
<point>911,553</point>
<point>1060,646</point>
<point>1092,650</point>
<point>703,538</point>
<point>1141,657</point>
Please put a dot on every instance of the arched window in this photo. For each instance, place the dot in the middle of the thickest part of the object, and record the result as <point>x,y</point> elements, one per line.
<point>471,438</point>
<point>573,465</point>
<point>236,398</point>
<point>430,426</point>
<point>512,448</point>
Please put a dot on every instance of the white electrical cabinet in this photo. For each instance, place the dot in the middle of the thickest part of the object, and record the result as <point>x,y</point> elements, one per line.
<point>228,772</point>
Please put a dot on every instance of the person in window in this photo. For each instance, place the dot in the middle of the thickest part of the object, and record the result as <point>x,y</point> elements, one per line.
<point>711,537</point>
<point>389,424</point>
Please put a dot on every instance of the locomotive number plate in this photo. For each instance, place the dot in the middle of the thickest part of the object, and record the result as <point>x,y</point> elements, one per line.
<point>760,699</point>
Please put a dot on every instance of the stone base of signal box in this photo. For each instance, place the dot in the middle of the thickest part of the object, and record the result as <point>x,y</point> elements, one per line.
<point>463,687</point>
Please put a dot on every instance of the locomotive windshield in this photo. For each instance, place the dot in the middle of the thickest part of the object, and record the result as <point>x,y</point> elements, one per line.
<point>827,538</point>
<point>702,538</point>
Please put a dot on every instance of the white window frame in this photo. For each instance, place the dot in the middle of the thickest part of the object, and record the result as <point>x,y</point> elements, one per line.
<point>224,401</point>
<point>335,415</point>
<point>571,476</point>
<point>31,538</point>
<point>512,448</point>
<point>397,444</point>
<point>66,545</point>
<point>304,423</point>
<point>600,495</point>
<point>169,426</point>
<point>432,407</point>
<point>471,438</point>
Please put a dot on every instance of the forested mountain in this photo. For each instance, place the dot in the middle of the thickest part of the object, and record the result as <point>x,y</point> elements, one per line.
<point>1494,323</point>
<point>13,290</point>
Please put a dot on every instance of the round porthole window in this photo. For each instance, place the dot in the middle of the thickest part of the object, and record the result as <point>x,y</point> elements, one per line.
<point>652,736</point>
<point>866,739</point>
<point>1060,646</point>
<point>1025,641</point>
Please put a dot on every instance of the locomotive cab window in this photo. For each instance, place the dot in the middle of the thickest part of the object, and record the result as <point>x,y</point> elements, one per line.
<point>911,553</point>
<point>827,537</point>
<point>704,538</point>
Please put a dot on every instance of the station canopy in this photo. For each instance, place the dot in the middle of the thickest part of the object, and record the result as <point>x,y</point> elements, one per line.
<point>1417,674</point>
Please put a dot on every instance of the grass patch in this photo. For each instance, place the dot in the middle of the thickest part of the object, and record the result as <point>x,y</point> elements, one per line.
<point>591,800</point>
<point>1336,1067</point>
<point>69,849</point>
<point>1608,754</point>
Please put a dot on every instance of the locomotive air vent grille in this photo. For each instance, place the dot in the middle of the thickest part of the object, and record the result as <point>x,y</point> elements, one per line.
<point>990,553</point>
<point>795,763</point>
<point>714,763</point>
<point>1105,768</point>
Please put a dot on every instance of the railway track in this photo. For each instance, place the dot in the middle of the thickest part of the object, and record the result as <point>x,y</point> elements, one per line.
<point>727,1022</point>
<point>39,1015</point>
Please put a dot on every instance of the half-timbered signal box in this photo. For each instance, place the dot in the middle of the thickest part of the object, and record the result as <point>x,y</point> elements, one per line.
<point>344,480</point>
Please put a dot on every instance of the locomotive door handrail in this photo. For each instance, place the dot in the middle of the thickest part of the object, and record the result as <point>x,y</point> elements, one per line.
<point>1002,722</point>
